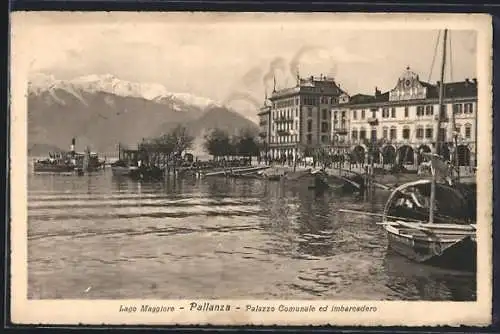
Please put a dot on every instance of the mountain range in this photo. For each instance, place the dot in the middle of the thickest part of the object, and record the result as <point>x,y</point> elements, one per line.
<point>101,111</point>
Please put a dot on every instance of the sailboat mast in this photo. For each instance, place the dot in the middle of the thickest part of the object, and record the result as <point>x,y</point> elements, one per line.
<point>440,116</point>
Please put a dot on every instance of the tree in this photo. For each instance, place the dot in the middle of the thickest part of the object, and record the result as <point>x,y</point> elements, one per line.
<point>183,141</point>
<point>165,146</point>
<point>217,143</point>
<point>247,144</point>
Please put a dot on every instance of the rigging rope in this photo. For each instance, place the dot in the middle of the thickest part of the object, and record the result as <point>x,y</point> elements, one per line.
<point>434,56</point>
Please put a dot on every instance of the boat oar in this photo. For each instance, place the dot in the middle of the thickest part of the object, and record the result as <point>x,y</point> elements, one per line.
<point>378,215</point>
<point>425,223</point>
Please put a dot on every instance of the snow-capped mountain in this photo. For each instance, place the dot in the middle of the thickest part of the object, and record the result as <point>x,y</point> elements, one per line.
<point>102,111</point>
<point>108,83</point>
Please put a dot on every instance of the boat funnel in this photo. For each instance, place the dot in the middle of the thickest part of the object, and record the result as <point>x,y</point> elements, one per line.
<point>72,147</point>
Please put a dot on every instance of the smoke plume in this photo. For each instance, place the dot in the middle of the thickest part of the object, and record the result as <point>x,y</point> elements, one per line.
<point>252,77</point>
<point>277,64</point>
<point>241,96</point>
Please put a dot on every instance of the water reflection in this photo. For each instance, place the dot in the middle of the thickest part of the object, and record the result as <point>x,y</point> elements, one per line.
<point>422,282</point>
<point>262,239</point>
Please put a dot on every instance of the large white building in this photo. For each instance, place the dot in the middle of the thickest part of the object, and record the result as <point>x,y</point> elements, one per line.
<point>402,121</point>
<point>299,117</point>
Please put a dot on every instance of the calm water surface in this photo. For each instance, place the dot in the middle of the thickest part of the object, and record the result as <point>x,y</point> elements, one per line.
<point>99,237</point>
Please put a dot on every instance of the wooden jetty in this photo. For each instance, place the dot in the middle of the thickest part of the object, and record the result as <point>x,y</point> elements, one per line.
<point>237,171</point>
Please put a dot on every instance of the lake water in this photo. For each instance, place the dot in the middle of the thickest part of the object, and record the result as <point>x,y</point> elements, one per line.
<point>99,237</point>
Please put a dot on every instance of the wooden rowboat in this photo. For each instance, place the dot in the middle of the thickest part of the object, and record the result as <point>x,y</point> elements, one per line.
<point>449,242</point>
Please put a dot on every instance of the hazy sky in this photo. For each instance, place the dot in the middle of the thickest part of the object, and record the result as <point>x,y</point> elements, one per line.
<point>220,59</point>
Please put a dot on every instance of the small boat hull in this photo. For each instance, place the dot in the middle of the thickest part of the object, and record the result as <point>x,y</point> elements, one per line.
<point>147,173</point>
<point>122,171</point>
<point>53,168</point>
<point>451,249</point>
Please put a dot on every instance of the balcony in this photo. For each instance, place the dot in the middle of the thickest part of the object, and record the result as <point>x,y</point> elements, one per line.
<point>340,131</point>
<point>372,121</point>
<point>282,119</point>
<point>283,132</point>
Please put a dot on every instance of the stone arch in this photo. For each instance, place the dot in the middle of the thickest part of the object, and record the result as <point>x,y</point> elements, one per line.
<point>374,152</point>
<point>389,154</point>
<point>405,155</point>
<point>358,153</point>
<point>422,149</point>
<point>463,155</point>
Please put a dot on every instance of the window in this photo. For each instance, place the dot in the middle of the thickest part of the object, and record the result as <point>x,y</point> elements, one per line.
<point>429,110</point>
<point>324,126</point>
<point>406,133</point>
<point>296,112</point>
<point>374,113</point>
<point>343,114</point>
<point>385,112</point>
<point>324,139</point>
<point>458,129</point>
<point>362,133</point>
<point>324,114</point>
<point>335,115</point>
<point>343,124</point>
<point>393,133</point>
<point>384,132</point>
<point>309,139</point>
<point>468,129</point>
<point>428,133</point>
<point>393,112</point>
<point>420,110</point>
<point>457,108</point>
<point>354,134</point>
<point>468,108</point>
<point>355,114</point>
<point>407,112</point>
<point>420,132</point>
<point>309,112</point>
<point>363,114</point>
<point>374,134</point>
<point>309,126</point>
<point>297,125</point>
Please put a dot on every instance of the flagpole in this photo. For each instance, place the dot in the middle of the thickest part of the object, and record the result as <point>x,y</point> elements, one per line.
<point>440,111</point>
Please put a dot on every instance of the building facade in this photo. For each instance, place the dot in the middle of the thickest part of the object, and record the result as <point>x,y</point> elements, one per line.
<point>265,127</point>
<point>391,127</point>
<point>301,116</point>
<point>400,124</point>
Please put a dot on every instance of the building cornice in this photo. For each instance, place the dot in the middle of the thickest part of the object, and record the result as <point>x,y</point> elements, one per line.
<point>407,102</point>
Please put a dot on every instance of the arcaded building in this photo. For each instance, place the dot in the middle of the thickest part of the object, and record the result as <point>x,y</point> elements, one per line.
<point>399,124</point>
